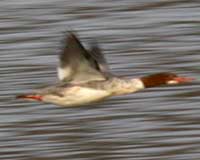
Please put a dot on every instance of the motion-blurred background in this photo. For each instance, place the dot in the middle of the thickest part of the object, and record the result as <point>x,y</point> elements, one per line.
<point>138,37</point>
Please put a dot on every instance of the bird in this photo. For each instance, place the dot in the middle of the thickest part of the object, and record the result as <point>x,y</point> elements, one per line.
<point>85,78</point>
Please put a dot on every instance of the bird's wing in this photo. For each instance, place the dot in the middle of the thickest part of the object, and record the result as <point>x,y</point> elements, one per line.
<point>97,55</point>
<point>79,65</point>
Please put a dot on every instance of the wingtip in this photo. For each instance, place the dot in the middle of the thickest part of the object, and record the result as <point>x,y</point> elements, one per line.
<point>70,32</point>
<point>72,35</point>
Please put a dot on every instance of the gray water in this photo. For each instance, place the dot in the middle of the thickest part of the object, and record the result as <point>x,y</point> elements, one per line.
<point>138,37</point>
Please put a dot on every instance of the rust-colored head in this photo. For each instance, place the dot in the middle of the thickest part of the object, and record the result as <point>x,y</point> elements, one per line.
<point>164,78</point>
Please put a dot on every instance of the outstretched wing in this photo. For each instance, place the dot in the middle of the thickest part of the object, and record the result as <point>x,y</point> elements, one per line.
<point>100,59</point>
<point>79,65</point>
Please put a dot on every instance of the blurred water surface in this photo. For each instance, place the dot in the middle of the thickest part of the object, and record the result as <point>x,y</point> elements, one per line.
<point>138,37</point>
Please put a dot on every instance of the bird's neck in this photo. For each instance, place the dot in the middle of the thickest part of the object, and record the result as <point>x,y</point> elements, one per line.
<point>124,86</point>
<point>153,80</point>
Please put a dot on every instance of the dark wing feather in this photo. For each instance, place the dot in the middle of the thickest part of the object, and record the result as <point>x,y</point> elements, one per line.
<point>98,56</point>
<point>79,65</point>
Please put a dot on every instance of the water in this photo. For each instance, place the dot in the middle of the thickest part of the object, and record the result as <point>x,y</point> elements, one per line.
<point>137,38</point>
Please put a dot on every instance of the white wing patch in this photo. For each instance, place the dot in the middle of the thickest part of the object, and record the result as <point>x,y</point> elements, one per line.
<point>64,72</point>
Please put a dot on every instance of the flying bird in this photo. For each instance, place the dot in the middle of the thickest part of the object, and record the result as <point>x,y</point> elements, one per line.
<point>85,78</point>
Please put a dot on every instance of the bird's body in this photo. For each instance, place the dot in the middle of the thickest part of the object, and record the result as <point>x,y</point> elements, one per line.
<point>75,94</point>
<point>86,78</point>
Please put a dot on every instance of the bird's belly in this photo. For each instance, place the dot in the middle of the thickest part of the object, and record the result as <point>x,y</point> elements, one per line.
<point>76,96</point>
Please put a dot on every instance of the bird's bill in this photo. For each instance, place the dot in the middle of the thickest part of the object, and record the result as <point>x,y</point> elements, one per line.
<point>180,79</point>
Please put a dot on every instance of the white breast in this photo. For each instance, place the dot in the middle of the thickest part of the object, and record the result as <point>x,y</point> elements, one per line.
<point>88,94</point>
<point>138,84</point>
<point>76,96</point>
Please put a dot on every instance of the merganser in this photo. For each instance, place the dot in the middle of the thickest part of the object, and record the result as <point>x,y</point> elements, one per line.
<point>85,78</point>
